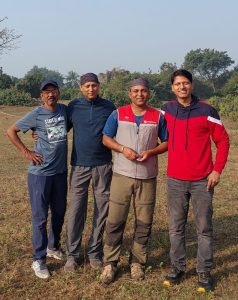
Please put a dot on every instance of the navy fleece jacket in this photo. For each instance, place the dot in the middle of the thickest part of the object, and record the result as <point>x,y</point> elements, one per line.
<point>88,119</point>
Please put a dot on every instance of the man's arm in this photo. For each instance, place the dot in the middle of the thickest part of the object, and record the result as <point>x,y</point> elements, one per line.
<point>221,140</point>
<point>114,145</point>
<point>12,133</point>
<point>212,180</point>
<point>161,148</point>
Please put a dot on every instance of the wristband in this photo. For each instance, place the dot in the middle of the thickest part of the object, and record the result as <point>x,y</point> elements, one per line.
<point>122,149</point>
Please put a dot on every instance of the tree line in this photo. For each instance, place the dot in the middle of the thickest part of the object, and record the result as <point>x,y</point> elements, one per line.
<point>215,79</point>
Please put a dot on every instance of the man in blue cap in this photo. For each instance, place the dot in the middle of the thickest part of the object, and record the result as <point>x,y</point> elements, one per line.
<point>47,172</point>
<point>91,161</point>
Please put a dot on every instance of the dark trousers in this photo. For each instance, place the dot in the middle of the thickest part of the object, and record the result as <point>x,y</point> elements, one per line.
<point>47,192</point>
<point>179,194</point>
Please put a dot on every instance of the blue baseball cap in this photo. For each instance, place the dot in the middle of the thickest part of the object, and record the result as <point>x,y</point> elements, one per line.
<point>47,82</point>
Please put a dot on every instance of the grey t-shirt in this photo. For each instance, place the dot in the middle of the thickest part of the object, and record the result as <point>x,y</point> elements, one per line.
<point>51,128</point>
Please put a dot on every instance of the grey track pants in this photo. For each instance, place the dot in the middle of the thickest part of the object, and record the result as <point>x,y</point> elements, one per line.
<point>179,194</point>
<point>79,182</point>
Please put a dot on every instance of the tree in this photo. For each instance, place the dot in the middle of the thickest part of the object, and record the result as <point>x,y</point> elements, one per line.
<point>30,83</point>
<point>163,85</point>
<point>8,38</point>
<point>72,79</point>
<point>208,64</point>
<point>5,81</point>
<point>231,86</point>
<point>109,76</point>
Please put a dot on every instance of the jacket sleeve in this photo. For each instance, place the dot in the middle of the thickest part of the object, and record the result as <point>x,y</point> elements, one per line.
<point>220,138</point>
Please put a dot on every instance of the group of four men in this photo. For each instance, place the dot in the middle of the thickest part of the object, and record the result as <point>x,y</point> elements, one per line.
<point>184,127</point>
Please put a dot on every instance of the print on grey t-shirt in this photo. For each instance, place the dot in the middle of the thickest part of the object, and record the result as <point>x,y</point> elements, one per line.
<point>56,129</point>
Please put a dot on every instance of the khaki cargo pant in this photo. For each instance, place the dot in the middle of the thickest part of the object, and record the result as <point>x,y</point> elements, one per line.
<point>142,192</point>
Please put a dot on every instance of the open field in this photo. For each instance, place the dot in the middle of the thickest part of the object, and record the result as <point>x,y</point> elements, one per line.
<point>17,280</point>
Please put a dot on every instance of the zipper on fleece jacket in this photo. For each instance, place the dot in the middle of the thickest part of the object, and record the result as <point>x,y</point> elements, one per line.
<point>91,112</point>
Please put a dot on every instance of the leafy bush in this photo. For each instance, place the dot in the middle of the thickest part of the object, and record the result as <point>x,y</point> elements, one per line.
<point>13,96</point>
<point>227,106</point>
<point>69,93</point>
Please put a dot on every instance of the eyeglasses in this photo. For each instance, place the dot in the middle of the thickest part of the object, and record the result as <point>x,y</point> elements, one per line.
<point>53,91</point>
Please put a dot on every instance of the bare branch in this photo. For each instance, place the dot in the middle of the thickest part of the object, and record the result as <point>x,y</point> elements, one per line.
<point>8,39</point>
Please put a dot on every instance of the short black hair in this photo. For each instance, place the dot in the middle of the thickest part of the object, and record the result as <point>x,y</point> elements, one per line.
<point>182,72</point>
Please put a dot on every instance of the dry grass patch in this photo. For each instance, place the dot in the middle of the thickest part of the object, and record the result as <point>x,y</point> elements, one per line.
<point>18,281</point>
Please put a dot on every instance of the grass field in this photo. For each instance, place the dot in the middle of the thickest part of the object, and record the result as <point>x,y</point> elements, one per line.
<point>19,282</point>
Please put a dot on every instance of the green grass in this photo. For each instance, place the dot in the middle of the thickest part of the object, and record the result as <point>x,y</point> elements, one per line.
<point>17,280</point>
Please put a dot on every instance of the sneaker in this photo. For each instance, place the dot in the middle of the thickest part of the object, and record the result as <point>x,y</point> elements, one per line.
<point>175,276</point>
<point>137,271</point>
<point>71,265</point>
<point>108,274</point>
<point>57,254</point>
<point>96,264</point>
<point>40,268</point>
<point>205,282</point>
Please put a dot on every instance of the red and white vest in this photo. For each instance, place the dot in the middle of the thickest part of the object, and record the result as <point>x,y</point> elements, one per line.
<point>138,138</point>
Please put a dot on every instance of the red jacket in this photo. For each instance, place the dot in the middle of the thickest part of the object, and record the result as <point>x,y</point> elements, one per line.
<point>190,131</point>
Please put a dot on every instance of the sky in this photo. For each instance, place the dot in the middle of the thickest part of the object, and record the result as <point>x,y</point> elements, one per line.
<point>98,35</point>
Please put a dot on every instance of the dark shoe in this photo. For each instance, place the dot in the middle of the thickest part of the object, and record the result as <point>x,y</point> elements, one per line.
<point>205,282</point>
<point>71,264</point>
<point>175,276</point>
<point>96,264</point>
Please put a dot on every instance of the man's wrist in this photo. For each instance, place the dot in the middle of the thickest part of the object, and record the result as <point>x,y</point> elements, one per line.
<point>122,149</point>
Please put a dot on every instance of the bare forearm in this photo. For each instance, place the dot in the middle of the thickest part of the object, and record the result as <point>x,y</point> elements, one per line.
<point>112,144</point>
<point>14,138</point>
<point>161,148</point>
<point>12,134</point>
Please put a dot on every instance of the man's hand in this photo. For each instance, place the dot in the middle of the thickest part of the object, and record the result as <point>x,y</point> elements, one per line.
<point>145,155</point>
<point>130,154</point>
<point>34,136</point>
<point>212,180</point>
<point>35,157</point>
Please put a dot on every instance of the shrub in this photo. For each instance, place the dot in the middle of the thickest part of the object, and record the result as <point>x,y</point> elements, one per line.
<point>227,106</point>
<point>68,93</point>
<point>12,96</point>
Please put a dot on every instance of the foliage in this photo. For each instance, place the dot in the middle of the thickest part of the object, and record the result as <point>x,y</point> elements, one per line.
<point>227,106</point>
<point>30,83</point>
<point>208,64</point>
<point>202,89</point>
<point>5,81</point>
<point>72,79</point>
<point>69,93</point>
<point>162,89</point>
<point>8,38</point>
<point>231,86</point>
<point>114,85</point>
<point>209,67</point>
<point>13,96</point>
